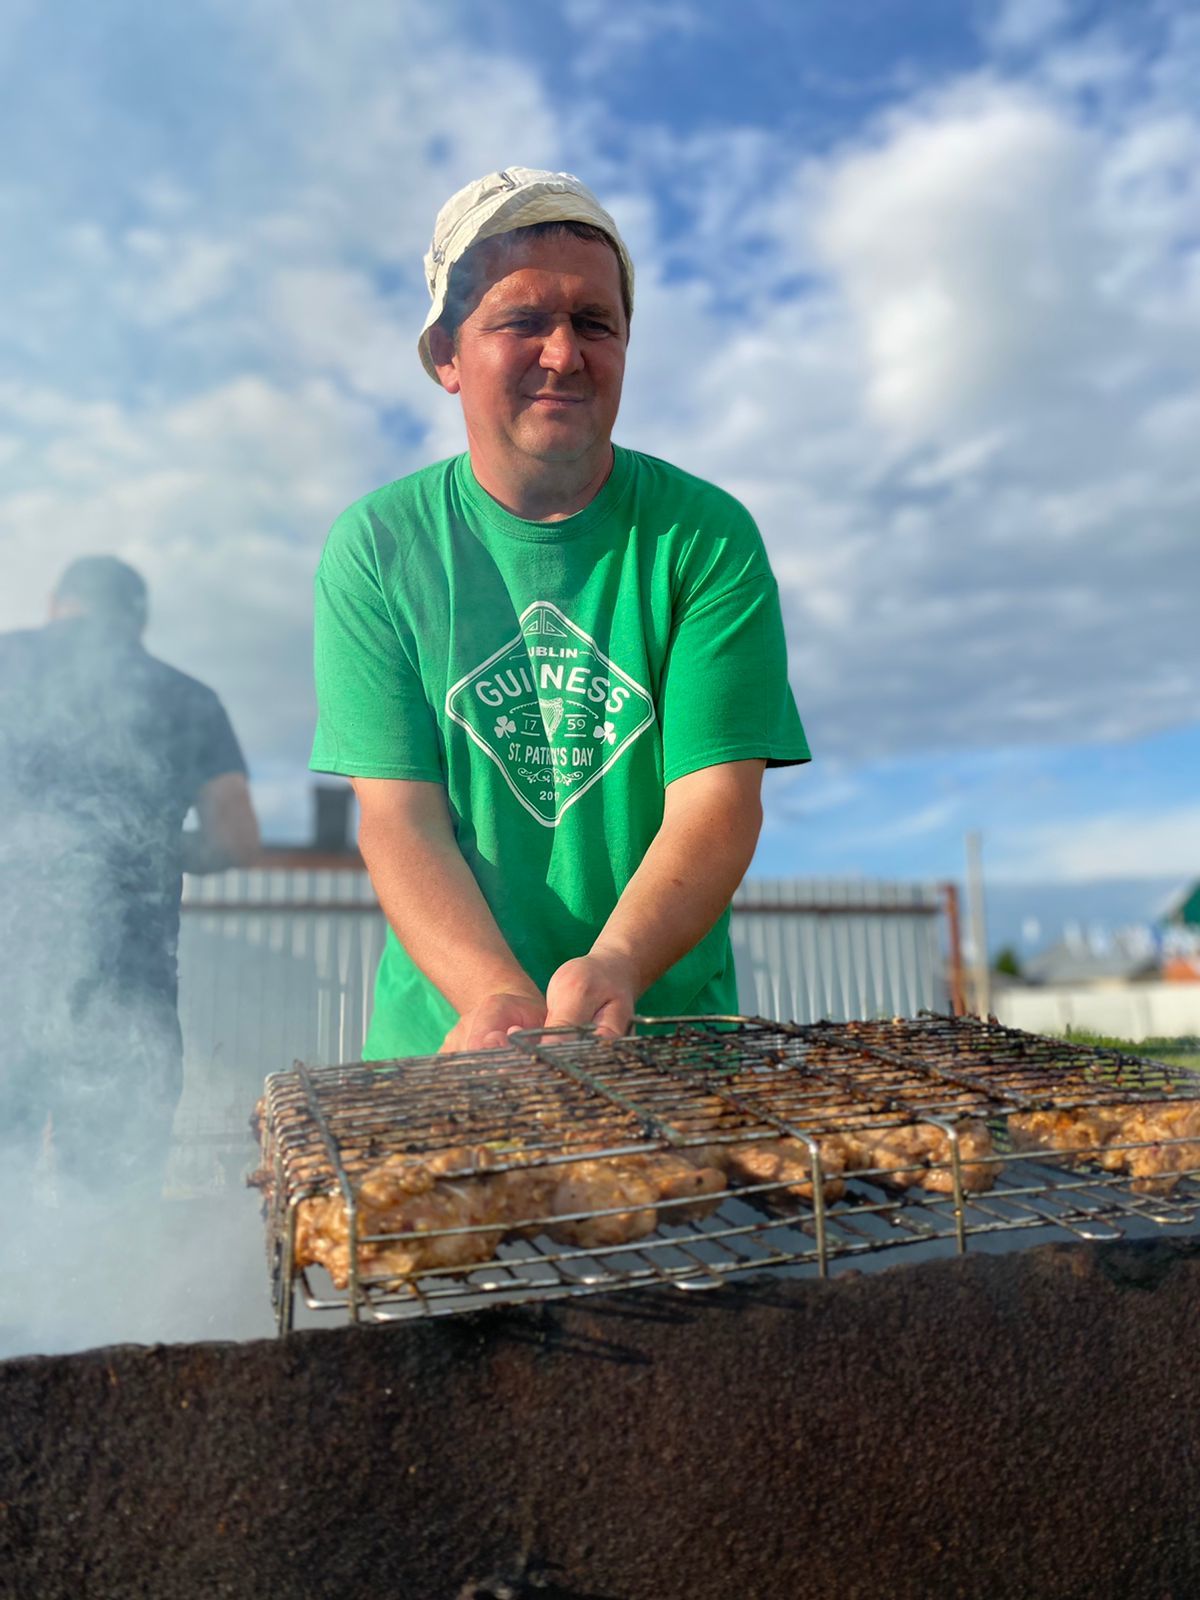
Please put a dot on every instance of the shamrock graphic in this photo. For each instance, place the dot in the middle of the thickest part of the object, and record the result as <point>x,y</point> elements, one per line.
<point>505,725</point>
<point>605,731</point>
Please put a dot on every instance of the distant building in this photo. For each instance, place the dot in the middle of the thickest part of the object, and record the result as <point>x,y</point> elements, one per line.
<point>1181,936</point>
<point>1183,910</point>
<point>1130,956</point>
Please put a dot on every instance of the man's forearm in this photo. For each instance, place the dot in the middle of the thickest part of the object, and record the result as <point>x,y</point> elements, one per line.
<point>228,832</point>
<point>685,881</point>
<point>436,908</point>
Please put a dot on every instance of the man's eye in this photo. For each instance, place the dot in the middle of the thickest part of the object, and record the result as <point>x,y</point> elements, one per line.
<point>593,327</point>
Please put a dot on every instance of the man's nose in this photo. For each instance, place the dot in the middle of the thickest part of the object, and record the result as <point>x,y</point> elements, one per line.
<point>560,349</point>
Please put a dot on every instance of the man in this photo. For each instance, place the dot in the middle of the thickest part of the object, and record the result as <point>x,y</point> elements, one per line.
<point>552,668</point>
<point>103,752</point>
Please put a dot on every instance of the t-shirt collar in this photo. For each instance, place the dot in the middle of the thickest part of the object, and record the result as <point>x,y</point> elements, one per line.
<point>596,513</point>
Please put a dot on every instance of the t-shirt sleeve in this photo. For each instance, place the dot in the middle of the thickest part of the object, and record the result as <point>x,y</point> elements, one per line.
<point>725,694</point>
<point>217,749</point>
<point>373,716</point>
<point>200,738</point>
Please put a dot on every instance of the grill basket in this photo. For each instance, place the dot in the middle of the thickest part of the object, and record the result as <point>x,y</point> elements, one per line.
<point>818,1143</point>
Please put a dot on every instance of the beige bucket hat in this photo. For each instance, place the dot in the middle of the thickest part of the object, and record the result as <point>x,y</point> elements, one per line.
<point>512,198</point>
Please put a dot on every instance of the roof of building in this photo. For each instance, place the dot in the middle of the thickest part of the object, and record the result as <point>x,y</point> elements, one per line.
<point>1184,907</point>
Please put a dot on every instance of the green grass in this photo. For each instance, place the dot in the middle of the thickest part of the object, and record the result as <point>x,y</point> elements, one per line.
<point>1175,1052</point>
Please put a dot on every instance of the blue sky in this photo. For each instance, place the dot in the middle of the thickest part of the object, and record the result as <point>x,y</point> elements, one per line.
<point>920,282</point>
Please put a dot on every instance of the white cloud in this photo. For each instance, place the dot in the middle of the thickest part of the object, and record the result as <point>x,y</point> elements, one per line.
<point>962,247</point>
<point>166,276</point>
<point>607,35</point>
<point>219,355</point>
<point>334,320</point>
<point>1123,844</point>
<point>1025,24</point>
<point>968,442</point>
<point>960,460</point>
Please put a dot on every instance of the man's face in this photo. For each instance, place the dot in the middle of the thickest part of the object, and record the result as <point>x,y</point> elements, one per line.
<point>538,363</point>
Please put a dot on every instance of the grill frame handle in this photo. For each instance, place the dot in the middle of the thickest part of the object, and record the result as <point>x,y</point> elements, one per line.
<point>588,1030</point>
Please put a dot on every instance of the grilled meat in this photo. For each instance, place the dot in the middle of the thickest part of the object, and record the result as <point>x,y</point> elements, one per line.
<point>409,1194</point>
<point>598,1186</point>
<point>638,1185</point>
<point>918,1155</point>
<point>1102,1134</point>
<point>784,1161</point>
<point>1079,1134</point>
<point>406,1194</point>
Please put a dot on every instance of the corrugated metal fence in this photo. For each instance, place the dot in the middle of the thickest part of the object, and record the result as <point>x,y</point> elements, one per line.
<point>279,964</point>
<point>813,948</point>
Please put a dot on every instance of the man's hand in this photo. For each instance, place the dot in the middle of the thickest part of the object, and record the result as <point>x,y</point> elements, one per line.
<point>228,831</point>
<point>488,1025</point>
<point>596,989</point>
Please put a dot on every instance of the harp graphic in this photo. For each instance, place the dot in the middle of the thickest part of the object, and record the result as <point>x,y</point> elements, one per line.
<point>552,714</point>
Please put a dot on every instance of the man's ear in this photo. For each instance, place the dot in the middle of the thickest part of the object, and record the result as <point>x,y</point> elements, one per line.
<point>441,350</point>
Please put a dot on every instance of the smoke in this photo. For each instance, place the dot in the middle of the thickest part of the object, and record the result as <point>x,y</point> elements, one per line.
<point>102,751</point>
<point>80,1272</point>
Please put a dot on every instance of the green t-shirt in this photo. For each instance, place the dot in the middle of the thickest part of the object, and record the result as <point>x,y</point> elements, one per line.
<point>554,677</point>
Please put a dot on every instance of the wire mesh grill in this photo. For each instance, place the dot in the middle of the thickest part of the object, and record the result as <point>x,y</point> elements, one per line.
<point>565,1165</point>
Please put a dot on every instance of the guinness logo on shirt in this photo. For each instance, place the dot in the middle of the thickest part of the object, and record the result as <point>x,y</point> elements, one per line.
<point>551,710</point>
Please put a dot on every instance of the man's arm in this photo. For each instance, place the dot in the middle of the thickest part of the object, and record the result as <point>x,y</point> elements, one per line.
<point>710,826</point>
<point>437,911</point>
<point>227,835</point>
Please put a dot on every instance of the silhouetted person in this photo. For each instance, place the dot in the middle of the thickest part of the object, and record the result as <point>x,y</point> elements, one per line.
<point>104,750</point>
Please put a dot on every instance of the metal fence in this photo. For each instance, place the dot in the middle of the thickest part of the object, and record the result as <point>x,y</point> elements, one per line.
<point>826,948</point>
<point>277,965</point>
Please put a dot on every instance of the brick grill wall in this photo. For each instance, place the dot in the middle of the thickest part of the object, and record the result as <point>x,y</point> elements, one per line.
<point>1022,1426</point>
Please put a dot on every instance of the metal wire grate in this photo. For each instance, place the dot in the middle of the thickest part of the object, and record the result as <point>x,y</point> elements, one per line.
<point>906,1131</point>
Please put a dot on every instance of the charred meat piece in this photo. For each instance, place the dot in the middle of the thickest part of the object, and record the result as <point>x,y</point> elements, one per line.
<point>1081,1134</point>
<point>603,1185</point>
<point>421,1195</point>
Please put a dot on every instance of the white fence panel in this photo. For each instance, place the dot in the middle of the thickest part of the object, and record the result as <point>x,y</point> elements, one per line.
<point>279,969</point>
<point>807,950</point>
<point>1131,1011</point>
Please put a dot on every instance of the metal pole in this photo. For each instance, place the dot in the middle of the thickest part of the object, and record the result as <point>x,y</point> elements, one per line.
<point>958,999</point>
<point>980,977</point>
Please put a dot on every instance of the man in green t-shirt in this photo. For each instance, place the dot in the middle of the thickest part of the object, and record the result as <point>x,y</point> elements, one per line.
<point>553,668</point>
